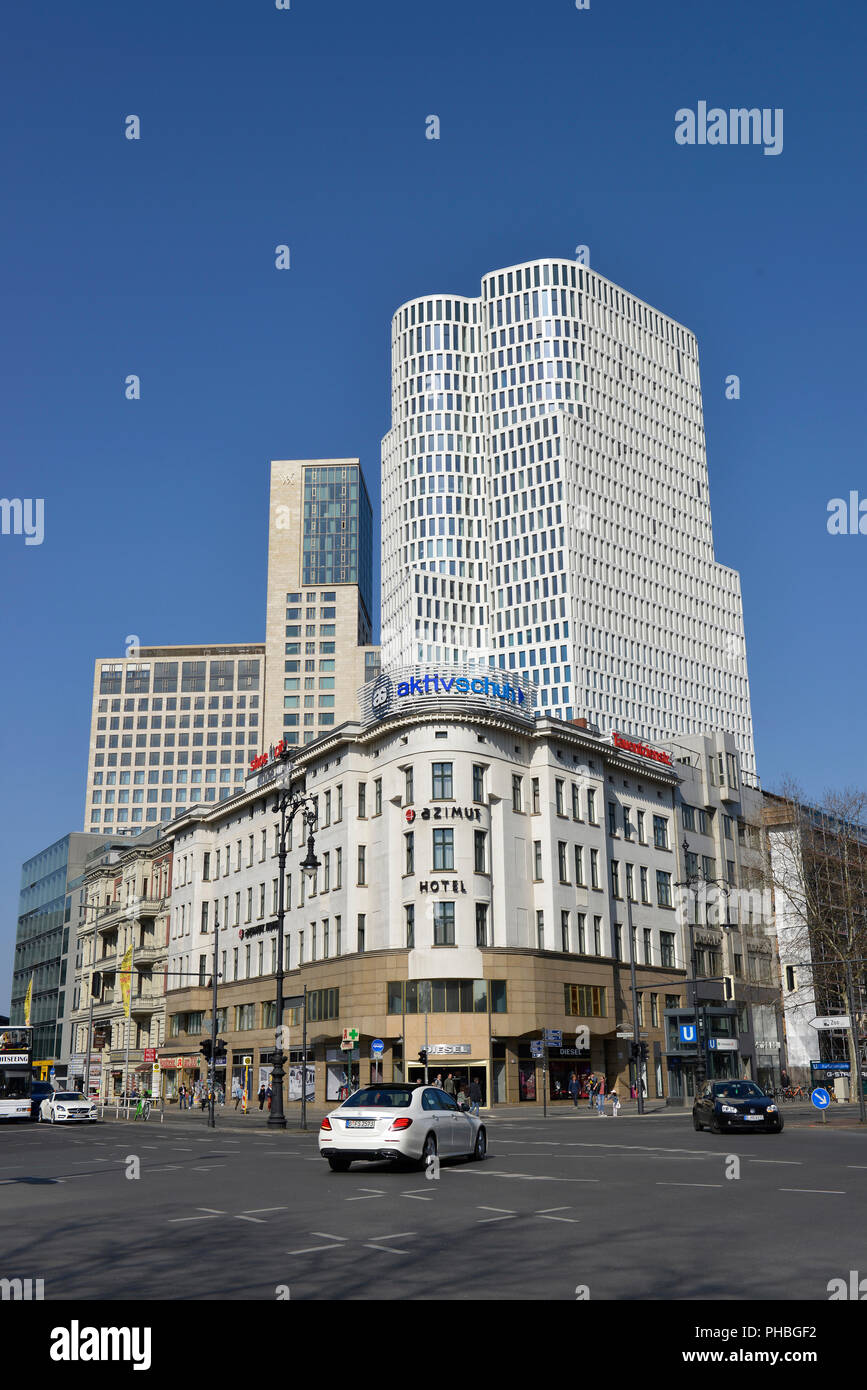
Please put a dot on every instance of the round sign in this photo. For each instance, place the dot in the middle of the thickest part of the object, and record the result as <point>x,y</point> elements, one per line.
<point>377,1047</point>
<point>820,1098</point>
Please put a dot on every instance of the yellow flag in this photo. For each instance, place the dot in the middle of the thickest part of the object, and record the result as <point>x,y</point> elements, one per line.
<point>27,1001</point>
<point>126,979</point>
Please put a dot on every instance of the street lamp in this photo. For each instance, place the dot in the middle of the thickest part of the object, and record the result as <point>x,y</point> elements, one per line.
<point>289,803</point>
<point>692,882</point>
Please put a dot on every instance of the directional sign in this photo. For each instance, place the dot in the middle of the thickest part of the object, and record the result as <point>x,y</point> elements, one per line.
<point>535,1047</point>
<point>687,1033</point>
<point>621,1034</point>
<point>554,1036</point>
<point>820,1098</point>
<point>350,1035</point>
<point>831,1021</point>
<point>377,1047</point>
<point>722,1044</point>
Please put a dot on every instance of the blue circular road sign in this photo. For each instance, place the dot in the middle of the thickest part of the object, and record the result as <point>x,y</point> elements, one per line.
<point>377,1047</point>
<point>820,1098</point>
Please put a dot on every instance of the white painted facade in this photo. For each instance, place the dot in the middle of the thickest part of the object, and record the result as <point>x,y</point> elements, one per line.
<point>545,505</point>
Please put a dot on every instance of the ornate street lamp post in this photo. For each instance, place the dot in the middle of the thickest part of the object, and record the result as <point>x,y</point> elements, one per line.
<point>289,803</point>
<point>693,882</point>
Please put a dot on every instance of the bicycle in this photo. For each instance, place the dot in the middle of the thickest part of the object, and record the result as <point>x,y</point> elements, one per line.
<point>143,1109</point>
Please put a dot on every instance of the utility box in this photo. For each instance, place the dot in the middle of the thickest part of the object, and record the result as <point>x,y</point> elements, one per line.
<point>841,1087</point>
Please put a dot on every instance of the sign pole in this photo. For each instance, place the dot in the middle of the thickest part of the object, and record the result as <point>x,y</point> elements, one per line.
<point>304,1060</point>
<point>853,1025</point>
<point>544,1077</point>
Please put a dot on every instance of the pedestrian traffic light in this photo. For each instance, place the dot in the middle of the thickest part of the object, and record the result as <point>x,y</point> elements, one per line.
<point>95,984</point>
<point>205,1048</point>
<point>422,1056</point>
<point>220,1048</point>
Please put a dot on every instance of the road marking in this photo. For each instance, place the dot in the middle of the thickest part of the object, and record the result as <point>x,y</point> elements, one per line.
<point>418,1196</point>
<point>829,1191</point>
<point>253,1211</point>
<point>371,1191</point>
<point>856,1165</point>
<point>525,1177</point>
<point>209,1167</point>
<point>547,1214</point>
<point>790,1162</point>
<point>309,1249</point>
<point>385,1249</point>
<point>689,1184</point>
<point>485,1220</point>
<point>175,1220</point>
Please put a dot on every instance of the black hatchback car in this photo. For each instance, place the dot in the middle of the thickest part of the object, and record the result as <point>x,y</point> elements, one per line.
<point>725,1105</point>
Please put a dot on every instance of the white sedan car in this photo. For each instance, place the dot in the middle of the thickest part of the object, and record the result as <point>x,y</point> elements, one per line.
<point>410,1123</point>
<point>67,1106</point>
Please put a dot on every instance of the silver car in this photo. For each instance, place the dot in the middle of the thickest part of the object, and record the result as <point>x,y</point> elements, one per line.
<point>400,1122</point>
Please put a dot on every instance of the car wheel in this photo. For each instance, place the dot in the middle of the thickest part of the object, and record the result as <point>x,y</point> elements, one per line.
<point>337,1164</point>
<point>51,1117</point>
<point>696,1122</point>
<point>715,1125</point>
<point>480,1148</point>
<point>778,1127</point>
<point>429,1151</point>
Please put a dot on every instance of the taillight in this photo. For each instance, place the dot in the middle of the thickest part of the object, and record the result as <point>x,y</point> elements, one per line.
<point>401,1124</point>
<point>326,1123</point>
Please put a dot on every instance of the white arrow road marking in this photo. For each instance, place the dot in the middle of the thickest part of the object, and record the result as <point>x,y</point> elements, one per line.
<point>418,1196</point>
<point>371,1192</point>
<point>547,1214</point>
<point>336,1242</point>
<point>829,1191</point>
<point>484,1220</point>
<point>175,1220</point>
<point>386,1250</point>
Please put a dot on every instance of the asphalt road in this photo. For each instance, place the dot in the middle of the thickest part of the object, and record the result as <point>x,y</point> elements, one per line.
<point>630,1208</point>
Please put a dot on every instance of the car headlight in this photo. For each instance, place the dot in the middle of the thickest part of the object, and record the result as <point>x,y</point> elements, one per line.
<point>729,1109</point>
<point>770,1108</point>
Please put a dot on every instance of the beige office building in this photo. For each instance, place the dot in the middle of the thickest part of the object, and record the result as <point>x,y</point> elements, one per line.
<point>318,632</point>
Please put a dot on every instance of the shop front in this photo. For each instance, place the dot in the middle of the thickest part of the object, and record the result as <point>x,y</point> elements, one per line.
<point>562,1064</point>
<point>455,1060</point>
<point>176,1072</point>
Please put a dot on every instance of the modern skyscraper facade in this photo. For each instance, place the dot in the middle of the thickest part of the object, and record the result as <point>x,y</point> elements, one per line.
<point>171,726</point>
<point>320,580</point>
<point>545,505</point>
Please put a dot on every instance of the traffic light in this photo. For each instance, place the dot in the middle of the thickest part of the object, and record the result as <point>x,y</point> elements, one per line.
<point>205,1048</point>
<point>635,1050</point>
<point>220,1048</point>
<point>422,1056</point>
<point>728,987</point>
<point>643,1051</point>
<point>95,984</point>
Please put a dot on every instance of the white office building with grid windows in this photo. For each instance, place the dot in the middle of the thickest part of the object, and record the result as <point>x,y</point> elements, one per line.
<point>545,505</point>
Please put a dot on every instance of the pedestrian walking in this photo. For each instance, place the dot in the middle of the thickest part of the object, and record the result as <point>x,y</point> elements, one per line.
<point>268,1097</point>
<point>592,1085</point>
<point>574,1089</point>
<point>449,1085</point>
<point>600,1096</point>
<point>182,1097</point>
<point>461,1098</point>
<point>475,1096</point>
<point>261,1096</point>
<point>438,1080</point>
<point>615,1104</point>
<point>236,1093</point>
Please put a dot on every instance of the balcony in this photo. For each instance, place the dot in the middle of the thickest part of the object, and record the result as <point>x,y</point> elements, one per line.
<point>148,952</point>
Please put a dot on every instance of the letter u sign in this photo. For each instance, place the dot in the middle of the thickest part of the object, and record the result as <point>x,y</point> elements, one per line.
<point>687,1032</point>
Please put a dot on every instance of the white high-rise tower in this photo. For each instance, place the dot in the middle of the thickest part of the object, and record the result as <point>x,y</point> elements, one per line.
<point>545,505</point>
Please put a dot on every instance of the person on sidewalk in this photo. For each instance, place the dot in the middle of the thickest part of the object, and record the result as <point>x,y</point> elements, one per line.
<point>449,1085</point>
<point>600,1096</point>
<point>236,1093</point>
<point>574,1089</point>
<point>615,1104</point>
<point>592,1085</point>
<point>475,1094</point>
<point>261,1097</point>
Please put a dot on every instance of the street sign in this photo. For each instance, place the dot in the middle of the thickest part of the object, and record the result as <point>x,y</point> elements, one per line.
<point>350,1035</point>
<point>149,1055</point>
<point>535,1047</point>
<point>820,1098</point>
<point>687,1032</point>
<point>831,1021</point>
<point>722,1044</point>
<point>553,1036</point>
<point>377,1047</point>
<point>624,1036</point>
<point>247,1061</point>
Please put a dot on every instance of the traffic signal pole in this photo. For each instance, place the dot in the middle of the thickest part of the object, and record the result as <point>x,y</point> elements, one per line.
<point>212,1070</point>
<point>636,1022</point>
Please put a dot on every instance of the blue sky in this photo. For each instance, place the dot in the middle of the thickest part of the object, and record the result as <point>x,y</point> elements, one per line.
<point>307,127</point>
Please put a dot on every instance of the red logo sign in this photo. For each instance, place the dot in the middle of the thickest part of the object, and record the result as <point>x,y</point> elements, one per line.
<point>410,815</point>
<point>640,748</point>
<point>270,757</point>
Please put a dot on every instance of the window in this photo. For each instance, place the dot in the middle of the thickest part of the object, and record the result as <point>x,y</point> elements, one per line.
<point>409,914</point>
<point>576,801</point>
<point>703,822</point>
<point>630,883</point>
<point>480,851</point>
<point>478,782</point>
<point>618,941</point>
<point>581,943</point>
<point>615,879</point>
<point>586,1001</point>
<point>558,796</point>
<point>245,1017</point>
<point>206,868</point>
<point>410,852</point>
<point>517,793</point>
<point>666,949</point>
<point>444,849</point>
<point>362,865</point>
<point>562,865</point>
<point>612,818</point>
<point>481,924</point>
<point>408,789</point>
<point>442,789</point>
<point>654,1010</point>
<point>540,930</point>
<point>660,832</point>
<point>534,786</point>
<point>641,837</point>
<point>339,815</point>
<point>591,807</point>
<point>579,866</point>
<point>627,823</point>
<point>708,866</point>
<point>326,871</point>
<point>594,868</point>
<point>648,947</point>
<point>564,929</point>
<point>537,859</point>
<point>663,888</point>
<point>597,935</point>
<point>727,827</point>
<point>205,907</point>
<point>362,800</point>
<point>687,815</point>
<point>362,921</point>
<point>444,924</point>
<point>377,797</point>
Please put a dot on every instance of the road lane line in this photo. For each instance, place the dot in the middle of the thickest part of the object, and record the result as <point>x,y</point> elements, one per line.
<point>689,1184</point>
<point>829,1191</point>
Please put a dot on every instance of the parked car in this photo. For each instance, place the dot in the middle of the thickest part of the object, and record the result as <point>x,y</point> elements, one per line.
<point>400,1122</point>
<point>68,1106</point>
<point>725,1105</point>
<point>39,1091</point>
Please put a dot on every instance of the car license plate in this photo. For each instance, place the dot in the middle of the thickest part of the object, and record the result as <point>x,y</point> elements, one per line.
<point>754,1117</point>
<point>360,1124</point>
